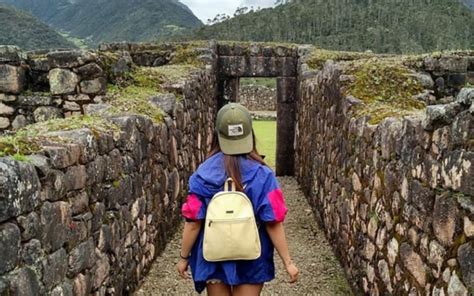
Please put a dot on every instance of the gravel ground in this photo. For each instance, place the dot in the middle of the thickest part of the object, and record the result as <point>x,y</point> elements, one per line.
<point>320,272</point>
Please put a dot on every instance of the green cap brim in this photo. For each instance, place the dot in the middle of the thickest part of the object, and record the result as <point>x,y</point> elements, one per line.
<point>235,147</point>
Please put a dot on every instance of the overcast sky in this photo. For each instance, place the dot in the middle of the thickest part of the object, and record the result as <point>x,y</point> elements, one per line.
<point>208,9</point>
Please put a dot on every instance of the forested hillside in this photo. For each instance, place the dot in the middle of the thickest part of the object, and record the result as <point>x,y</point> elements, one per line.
<point>469,3</point>
<point>386,26</point>
<point>113,20</point>
<point>22,29</point>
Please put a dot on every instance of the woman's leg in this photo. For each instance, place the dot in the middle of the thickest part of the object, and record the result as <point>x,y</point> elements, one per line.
<point>247,290</point>
<point>218,289</point>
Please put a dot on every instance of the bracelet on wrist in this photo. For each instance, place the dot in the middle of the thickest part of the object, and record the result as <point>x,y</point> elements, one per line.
<point>184,258</point>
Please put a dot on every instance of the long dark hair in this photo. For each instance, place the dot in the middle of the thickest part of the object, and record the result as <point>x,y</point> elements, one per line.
<point>232,162</point>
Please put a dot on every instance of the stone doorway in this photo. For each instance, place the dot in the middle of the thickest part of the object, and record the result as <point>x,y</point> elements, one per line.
<point>257,60</point>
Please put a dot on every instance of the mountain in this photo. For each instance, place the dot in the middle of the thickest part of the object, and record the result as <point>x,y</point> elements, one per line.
<point>384,26</point>
<point>22,29</point>
<point>469,3</point>
<point>113,20</point>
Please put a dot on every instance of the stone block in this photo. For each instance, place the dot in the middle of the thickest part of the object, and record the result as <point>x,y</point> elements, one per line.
<point>468,227</point>
<point>29,226</point>
<point>100,271</point>
<point>10,239</point>
<point>62,81</point>
<point>392,251</point>
<point>6,110</point>
<point>456,287</point>
<point>466,262</point>
<point>438,115</point>
<point>12,79</point>
<point>32,253</point>
<point>19,188</point>
<point>64,289</point>
<point>437,255</point>
<point>35,100</point>
<point>444,218</point>
<point>457,171</point>
<point>54,268</point>
<point>81,284</point>
<point>465,96</point>
<point>76,177</point>
<point>90,71</point>
<point>47,113</point>
<point>413,263</point>
<point>25,281</point>
<point>166,102</point>
<point>70,59</point>
<point>10,54</point>
<point>96,86</point>
<point>4,122</point>
<point>7,98</point>
<point>39,64</point>
<point>56,221</point>
<point>81,257</point>
<point>19,122</point>
<point>84,139</point>
<point>453,64</point>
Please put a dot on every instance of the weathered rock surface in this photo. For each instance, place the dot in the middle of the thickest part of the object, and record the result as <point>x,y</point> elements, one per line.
<point>12,79</point>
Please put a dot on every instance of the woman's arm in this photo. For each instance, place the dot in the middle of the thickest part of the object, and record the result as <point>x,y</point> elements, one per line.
<point>190,234</point>
<point>276,231</point>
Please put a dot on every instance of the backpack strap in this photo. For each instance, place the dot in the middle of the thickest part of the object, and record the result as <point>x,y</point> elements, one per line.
<point>232,185</point>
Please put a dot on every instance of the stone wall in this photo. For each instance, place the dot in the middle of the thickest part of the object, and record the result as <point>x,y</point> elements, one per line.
<point>258,97</point>
<point>90,212</point>
<point>38,86</point>
<point>396,199</point>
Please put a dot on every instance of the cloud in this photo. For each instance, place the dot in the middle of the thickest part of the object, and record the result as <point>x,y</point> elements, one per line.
<point>208,9</point>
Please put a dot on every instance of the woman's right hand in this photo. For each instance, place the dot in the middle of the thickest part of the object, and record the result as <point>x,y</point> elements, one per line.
<point>182,268</point>
<point>292,271</point>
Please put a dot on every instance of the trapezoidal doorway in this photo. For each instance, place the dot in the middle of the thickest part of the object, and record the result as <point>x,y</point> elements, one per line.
<point>259,60</point>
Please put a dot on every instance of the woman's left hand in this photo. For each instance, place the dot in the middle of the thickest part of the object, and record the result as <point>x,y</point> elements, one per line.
<point>182,267</point>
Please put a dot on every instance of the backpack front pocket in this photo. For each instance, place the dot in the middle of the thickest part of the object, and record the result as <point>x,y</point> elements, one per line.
<point>231,239</point>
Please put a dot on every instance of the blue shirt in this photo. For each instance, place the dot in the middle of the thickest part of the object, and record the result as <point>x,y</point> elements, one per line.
<point>264,192</point>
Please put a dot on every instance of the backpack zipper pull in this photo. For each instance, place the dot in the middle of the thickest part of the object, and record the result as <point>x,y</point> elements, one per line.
<point>210,222</point>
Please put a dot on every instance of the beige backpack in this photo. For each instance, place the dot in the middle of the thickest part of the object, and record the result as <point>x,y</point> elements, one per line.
<point>230,232</point>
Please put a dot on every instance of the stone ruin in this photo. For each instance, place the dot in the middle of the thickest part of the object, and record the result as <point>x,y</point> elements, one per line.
<point>98,146</point>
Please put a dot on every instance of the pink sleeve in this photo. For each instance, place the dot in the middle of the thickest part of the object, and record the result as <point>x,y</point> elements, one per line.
<point>192,207</point>
<point>278,205</point>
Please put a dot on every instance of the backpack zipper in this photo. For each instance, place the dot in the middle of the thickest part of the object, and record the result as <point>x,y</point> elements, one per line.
<point>228,220</point>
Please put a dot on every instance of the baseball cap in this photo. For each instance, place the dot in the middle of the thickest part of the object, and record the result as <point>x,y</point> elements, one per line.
<point>234,129</point>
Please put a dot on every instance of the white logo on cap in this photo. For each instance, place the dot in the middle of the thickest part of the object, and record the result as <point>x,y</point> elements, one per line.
<point>236,130</point>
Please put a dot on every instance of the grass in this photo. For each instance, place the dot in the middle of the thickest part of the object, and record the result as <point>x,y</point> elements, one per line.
<point>145,82</point>
<point>385,87</point>
<point>265,132</point>
<point>29,139</point>
<point>267,82</point>
<point>319,57</point>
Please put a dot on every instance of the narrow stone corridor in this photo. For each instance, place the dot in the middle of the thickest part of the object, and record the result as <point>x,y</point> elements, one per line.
<point>320,271</point>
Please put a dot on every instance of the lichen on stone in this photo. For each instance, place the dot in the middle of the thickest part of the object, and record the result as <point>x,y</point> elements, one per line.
<point>29,139</point>
<point>385,88</point>
<point>186,54</point>
<point>145,82</point>
<point>318,57</point>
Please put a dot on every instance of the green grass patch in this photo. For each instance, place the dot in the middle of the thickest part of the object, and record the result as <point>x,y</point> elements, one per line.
<point>319,56</point>
<point>145,82</point>
<point>29,139</point>
<point>265,133</point>
<point>385,87</point>
<point>186,54</point>
<point>267,82</point>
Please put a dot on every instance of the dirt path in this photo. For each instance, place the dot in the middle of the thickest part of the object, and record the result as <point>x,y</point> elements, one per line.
<point>320,271</point>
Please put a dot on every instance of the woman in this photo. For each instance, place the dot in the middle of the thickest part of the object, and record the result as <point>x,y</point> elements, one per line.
<point>234,155</point>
